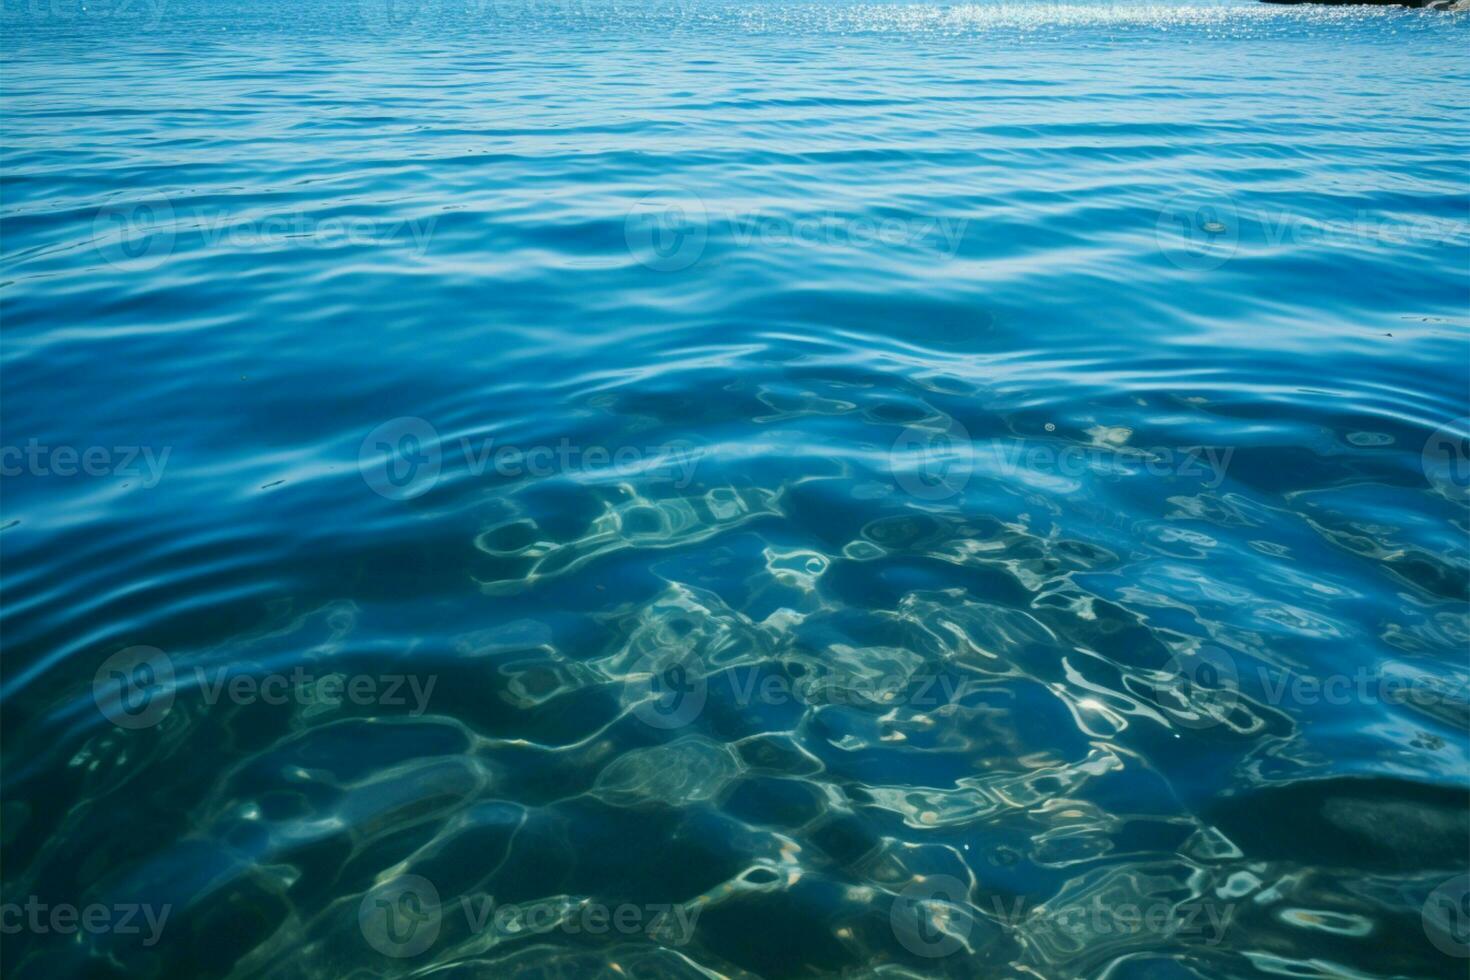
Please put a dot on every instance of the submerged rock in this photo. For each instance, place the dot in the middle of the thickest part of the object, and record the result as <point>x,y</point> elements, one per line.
<point>1367,823</point>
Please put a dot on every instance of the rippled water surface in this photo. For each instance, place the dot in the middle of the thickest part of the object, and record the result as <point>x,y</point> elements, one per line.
<point>737,487</point>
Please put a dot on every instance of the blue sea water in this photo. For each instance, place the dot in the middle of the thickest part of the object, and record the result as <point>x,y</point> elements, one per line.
<point>734,488</point>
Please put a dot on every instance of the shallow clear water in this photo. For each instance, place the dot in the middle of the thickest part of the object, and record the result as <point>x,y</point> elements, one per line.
<point>859,488</point>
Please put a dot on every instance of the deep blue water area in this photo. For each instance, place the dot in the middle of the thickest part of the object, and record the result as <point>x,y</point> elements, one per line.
<point>734,488</point>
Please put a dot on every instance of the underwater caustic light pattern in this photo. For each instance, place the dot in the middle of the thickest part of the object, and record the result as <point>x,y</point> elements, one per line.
<point>738,488</point>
